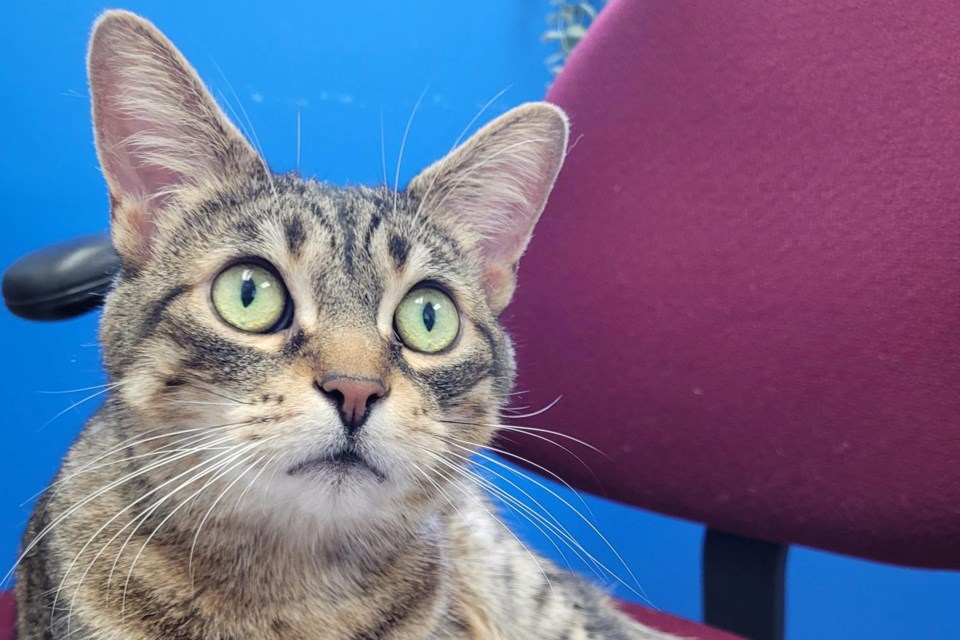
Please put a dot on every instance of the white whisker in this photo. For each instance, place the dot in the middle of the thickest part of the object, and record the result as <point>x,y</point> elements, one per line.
<point>519,508</point>
<point>298,140</point>
<point>479,113</point>
<point>532,414</point>
<point>496,519</point>
<point>106,524</point>
<point>453,441</point>
<point>383,151</point>
<point>82,389</point>
<point>403,144</point>
<point>130,443</point>
<point>253,132</point>
<point>639,590</point>
<point>82,503</point>
<point>534,432</point>
<point>234,461</point>
<point>78,403</point>
<point>206,515</point>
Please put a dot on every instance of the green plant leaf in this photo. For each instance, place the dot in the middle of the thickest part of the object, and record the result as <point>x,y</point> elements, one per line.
<point>576,31</point>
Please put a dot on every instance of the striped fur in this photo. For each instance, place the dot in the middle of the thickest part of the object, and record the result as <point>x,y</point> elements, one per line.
<point>181,512</point>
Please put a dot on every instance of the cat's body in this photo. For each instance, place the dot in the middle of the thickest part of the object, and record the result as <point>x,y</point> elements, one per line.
<point>299,374</point>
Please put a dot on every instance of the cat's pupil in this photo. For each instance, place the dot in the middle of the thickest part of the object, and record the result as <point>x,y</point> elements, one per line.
<point>248,291</point>
<point>429,316</point>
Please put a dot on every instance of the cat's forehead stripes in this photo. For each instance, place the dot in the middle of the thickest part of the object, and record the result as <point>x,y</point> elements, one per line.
<point>293,229</point>
<point>399,247</point>
<point>347,258</point>
<point>335,248</point>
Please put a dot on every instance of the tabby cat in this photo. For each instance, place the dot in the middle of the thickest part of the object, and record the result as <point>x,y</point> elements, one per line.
<point>298,373</point>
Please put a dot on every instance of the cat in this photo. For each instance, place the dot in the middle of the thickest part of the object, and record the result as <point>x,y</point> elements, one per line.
<point>298,374</point>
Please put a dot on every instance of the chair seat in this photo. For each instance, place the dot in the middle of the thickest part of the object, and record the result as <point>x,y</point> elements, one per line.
<point>8,615</point>
<point>672,624</point>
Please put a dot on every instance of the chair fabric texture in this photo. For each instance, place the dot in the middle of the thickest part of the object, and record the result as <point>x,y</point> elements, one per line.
<point>671,624</point>
<point>746,285</point>
<point>8,615</point>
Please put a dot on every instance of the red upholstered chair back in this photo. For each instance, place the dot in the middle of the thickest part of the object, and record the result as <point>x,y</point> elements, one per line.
<point>747,282</point>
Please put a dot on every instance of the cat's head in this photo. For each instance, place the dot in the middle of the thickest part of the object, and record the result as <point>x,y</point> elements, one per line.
<point>337,349</point>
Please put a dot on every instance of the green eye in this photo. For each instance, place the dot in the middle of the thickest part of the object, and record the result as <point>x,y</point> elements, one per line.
<point>250,297</point>
<point>427,320</point>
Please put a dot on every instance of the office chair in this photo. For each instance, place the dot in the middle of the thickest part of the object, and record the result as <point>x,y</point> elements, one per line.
<point>746,285</point>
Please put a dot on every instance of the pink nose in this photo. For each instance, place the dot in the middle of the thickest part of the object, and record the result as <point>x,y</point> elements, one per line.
<point>353,397</point>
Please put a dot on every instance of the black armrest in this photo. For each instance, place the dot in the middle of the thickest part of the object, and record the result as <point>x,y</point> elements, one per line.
<point>61,280</point>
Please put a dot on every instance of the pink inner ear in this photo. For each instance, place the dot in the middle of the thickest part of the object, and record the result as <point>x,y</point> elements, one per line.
<point>505,244</point>
<point>134,177</point>
<point>138,191</point>
<point>494,187</point>
<point>497,278</point>
<point>157,128</point>
<point>138,188</point>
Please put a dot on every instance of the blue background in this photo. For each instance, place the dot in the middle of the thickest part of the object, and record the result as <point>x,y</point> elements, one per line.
<point>339,66</point>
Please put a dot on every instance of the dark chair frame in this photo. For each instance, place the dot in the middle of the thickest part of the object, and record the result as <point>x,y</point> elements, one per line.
<point>743,585</point>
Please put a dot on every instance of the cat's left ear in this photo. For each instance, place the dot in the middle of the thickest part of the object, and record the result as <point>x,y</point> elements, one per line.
<point>161,138</point>
<point>492,189</point>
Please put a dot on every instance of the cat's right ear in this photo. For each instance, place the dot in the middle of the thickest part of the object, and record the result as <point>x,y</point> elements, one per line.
<point>491,190</point>
<point>161,137</point>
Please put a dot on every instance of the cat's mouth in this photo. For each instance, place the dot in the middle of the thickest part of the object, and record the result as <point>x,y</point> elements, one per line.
<point>346,461</point>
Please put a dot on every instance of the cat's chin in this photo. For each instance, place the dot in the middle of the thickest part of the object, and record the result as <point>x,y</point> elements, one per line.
<point>340,492</point>
<point>344,466</point>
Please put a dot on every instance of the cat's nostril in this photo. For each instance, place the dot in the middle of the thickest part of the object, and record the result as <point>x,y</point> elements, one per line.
<point>353,397</point>
<point>334,394</point>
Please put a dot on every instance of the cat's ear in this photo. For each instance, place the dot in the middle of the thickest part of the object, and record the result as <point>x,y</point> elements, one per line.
<point>160,135</point>
<point>493,188</point>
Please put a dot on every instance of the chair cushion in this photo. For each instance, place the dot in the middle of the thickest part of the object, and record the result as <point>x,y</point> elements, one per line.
<point>672,624</point>
<point>746,285</point>
<point>8,615</point>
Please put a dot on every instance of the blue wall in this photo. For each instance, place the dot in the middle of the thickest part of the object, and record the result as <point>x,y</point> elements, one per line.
<point>339,65</point>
